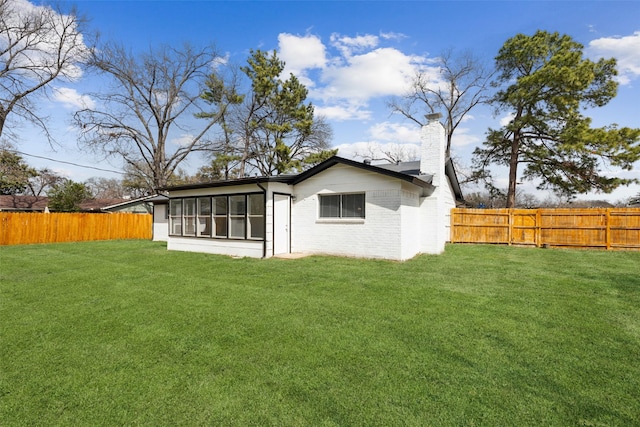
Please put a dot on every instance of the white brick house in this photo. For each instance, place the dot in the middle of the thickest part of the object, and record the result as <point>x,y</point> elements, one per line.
<point>339,207</point>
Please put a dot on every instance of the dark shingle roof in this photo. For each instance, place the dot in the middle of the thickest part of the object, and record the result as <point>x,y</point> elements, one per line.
<point>406,171</point>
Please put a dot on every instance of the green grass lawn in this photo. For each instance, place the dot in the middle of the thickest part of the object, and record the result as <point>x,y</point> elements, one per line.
<point>127,333</point>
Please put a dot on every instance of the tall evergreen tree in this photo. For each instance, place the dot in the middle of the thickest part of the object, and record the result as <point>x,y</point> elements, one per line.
<point>549,84</point>
<point>271,129</point>
<point>68,195</point>
<point>15,173</point>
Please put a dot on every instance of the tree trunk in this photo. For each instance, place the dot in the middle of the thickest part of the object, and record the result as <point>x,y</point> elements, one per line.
<point>3,117</point>
<point>513,170</point>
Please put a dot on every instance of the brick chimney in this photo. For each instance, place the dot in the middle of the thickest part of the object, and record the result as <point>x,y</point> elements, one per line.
<point>435,212</point>
<point>432,148</point>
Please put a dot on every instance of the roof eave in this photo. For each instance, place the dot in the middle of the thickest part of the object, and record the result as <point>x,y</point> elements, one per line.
<point>340,160</point>
<point>225,183</point>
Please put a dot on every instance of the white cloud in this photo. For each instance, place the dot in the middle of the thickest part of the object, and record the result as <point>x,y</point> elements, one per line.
<point>345,75</point>
<point>348,45</point>
<point>344,111</point>
<point>70,98</point>
<point>395,132</point>
<point>381,72</point>
<point>506,119</point>
<point>301,52</point>
<point>625,49</point>
<point>44,45</point>
<point>393,36</point>
<point>183,140</point>
<point>376,151</point>
<point>462,137</point>
<point>350,151</point>
<point>220,61</point>
<point>400,141</point>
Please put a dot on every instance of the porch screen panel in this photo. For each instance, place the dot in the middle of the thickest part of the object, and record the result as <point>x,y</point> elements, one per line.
<point>237,214</point>
<point>189,206</point>
<point>255,217</point>
<point>220,212</point>
<point>204,216</point>
<point>175,217</point>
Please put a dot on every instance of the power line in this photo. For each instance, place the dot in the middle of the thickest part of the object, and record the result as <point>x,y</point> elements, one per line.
<point>68,163</point>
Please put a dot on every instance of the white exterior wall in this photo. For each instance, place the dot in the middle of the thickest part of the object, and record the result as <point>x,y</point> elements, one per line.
<point>379,235</point>
<point>411,222</point>
<point>273,187</point>
<point>449,200</point>
<point>436,219</point>
<point>160,223</point>
<point>240,248</point>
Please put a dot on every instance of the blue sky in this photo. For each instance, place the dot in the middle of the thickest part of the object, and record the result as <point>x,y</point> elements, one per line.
<point>354,55</point>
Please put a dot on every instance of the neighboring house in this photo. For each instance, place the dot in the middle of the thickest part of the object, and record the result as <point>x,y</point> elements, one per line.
<point>39,204</point>
<point>140,205</point>
<point>155,204</point>
<point>339,207</point>
<point>14,203</point>
<point>100,205</point>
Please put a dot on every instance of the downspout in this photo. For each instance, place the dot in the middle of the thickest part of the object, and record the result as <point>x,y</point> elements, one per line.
<point>264,221</point>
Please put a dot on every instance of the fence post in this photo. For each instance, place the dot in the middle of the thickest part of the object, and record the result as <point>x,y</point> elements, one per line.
<point>607,233</point>
<point>510,229</point>
<point>452,230</point>
<point>538,228</point>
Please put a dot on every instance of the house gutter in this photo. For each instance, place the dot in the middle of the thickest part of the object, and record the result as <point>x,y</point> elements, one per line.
<point>264,221</point>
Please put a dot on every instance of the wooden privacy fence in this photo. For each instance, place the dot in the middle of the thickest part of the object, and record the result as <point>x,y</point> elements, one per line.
<point>17,228</point>
<point>611,228</point>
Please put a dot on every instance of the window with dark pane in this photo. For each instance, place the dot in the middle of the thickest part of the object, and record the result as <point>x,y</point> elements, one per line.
<point>220,212</point>
<point>237,213</point>
<point>255,217</point>
<point>204,216</point>
<point>330,206</point>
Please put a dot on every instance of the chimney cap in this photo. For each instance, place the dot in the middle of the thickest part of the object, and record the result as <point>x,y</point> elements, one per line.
<point>433,117</point>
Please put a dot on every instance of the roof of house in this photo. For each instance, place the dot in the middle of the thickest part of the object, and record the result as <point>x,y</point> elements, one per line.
<point>154,198</point>
<point>22,203</point>
<point>405,171</point>
<point>158,199</point>
<point>99,204</point>
<point>238,181</point>
<point>38,204</point>
<point>423,181</point>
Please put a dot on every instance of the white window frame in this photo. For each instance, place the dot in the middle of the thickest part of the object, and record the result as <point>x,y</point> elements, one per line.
<point>341,207</point>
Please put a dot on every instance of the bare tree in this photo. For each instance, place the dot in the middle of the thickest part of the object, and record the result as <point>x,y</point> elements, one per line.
<point>391,153</point>
<point>38,45</point>
<point>106,188</point>
<point>460,84</point>
<point>155,98</point>
<point>44,181</point>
